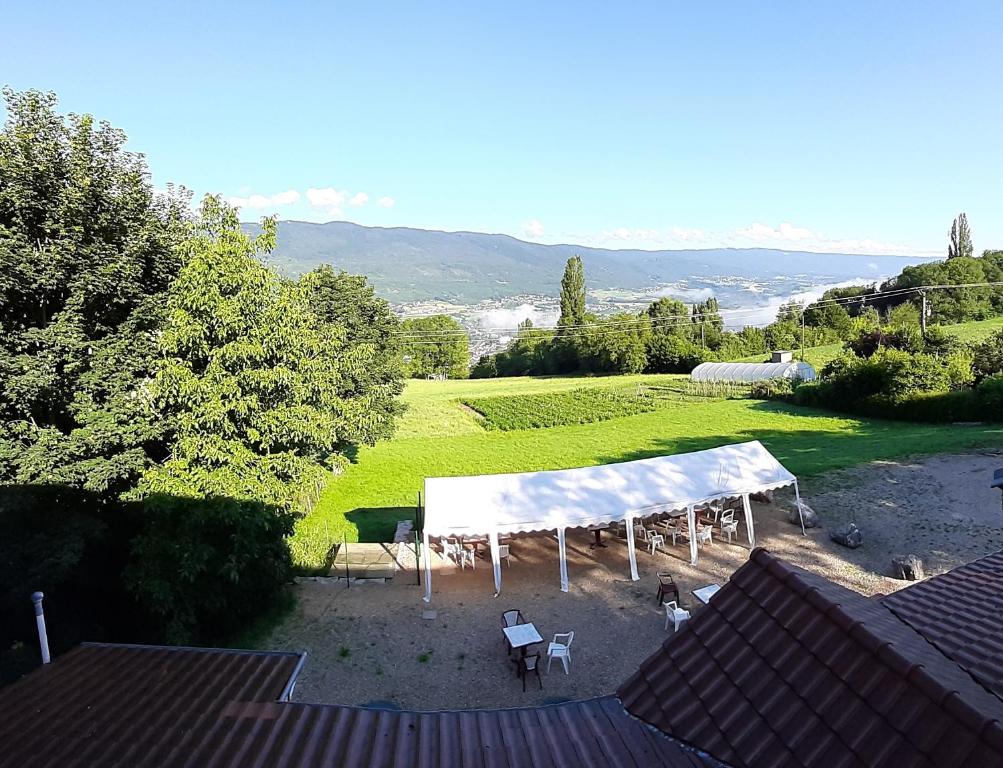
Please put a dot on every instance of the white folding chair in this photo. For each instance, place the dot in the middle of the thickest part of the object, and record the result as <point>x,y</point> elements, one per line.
<point>729,525</point>
<point>560,648</point>
<point>675,614</point>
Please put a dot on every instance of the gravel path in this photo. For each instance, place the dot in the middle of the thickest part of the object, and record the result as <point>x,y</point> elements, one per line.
<point>369,642</point>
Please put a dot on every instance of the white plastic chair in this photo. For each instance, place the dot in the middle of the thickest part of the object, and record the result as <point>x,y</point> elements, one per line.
<point>656,540</point>
<point>503,554</point>
<point>704,534</point>
<point>675,614</point>
<point>561,648</point>
<point>674,529</point>
<point>729,525</point>
<point>640,532</point>
<point>450,549</point>
<point>467,556</point>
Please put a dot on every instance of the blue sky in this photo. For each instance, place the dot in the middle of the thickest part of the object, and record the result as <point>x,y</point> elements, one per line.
<point>839,126</point>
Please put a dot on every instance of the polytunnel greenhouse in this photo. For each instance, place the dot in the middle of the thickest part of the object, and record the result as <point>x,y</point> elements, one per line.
<point>749,372</point>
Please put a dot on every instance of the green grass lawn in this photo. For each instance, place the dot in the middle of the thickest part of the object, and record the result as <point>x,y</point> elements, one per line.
<point>440,437</point>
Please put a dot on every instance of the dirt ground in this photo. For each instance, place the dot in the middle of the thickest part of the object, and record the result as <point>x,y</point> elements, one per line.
<point>369,642</point>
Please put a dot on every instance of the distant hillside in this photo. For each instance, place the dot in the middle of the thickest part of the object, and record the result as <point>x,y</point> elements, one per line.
<point>464,267</point>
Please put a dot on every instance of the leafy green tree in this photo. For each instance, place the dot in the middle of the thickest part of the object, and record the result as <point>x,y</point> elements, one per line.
<point>831,316</point>
<point>436,345</point>
<point>372,379</point>
<point>708,325</point>
<point>616,344</point>
<point>572,294</point>
<point>249,380</point>
<point>988,356</point>
<point>86,254</point>
<point>961,239</point>
<point>670,316</point>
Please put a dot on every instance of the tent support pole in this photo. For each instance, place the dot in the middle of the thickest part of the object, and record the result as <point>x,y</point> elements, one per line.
<point>427,557</point>
<point>749,528</point>
<point>495,561</point>
<point>562,547</point>
<point>631,549</point>
<point>691,520</point>
<point>797,498</point>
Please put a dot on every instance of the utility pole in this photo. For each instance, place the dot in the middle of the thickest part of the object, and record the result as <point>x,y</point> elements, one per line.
<point>922,313</point>
<point>802,334</point>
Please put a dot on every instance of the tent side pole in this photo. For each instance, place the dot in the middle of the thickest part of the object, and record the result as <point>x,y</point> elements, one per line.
<point>562,547</point>
<point>797,498</point>
<point>631,549</point>
<point>749,529</point>
<point>692,522</point>
<point>495,561</point>
<point>427,557</point>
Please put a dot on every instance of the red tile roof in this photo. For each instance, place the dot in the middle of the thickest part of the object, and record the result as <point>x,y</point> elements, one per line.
<point>961,613</point>
<point>107,705</point>
<point>786,668</point>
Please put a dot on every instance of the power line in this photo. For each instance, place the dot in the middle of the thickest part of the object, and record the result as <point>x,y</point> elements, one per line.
<point>679,320</point>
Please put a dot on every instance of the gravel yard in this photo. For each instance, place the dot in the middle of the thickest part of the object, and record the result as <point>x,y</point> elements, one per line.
<point>369,642</point>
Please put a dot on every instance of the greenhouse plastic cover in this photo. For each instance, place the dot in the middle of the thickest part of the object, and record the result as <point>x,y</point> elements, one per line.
<point>571,498</point>
<point>752,371</point>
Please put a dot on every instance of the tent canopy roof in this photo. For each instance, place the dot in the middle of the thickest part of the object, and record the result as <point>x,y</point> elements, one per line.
<point>571,498</point>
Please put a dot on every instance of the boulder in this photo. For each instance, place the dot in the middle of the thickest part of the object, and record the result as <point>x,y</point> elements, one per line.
<point>766,497</point>
<point>848,535</point>
<point>810,518</point>
<point>907,567</point>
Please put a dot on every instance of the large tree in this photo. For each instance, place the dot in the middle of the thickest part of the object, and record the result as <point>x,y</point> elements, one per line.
<point>249,380</point>
<point>572,294</point>
<point>86,254</point>
<point>435,346</point>
<point>348,305</point>
<point>961,238</point>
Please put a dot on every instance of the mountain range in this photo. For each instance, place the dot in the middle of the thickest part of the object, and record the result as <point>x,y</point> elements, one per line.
<point>414,265</point>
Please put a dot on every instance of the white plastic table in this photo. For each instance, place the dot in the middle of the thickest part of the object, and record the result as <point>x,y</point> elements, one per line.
<point>704,594</point>
<point>522,635</point>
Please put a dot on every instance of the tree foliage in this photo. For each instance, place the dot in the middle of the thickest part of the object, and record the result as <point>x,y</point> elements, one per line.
<point>86,254</point>
<point>435,346</point>
<point>961,239</point>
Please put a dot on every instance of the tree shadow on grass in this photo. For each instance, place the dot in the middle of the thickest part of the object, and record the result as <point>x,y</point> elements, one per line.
<point>378,524</point>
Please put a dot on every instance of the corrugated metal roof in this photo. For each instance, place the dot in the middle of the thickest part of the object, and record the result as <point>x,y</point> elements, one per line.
<point>107,705</point>
<point>102,704</point>
<point>786,668</point>
<point>961,613</point>
<point>598,732</point>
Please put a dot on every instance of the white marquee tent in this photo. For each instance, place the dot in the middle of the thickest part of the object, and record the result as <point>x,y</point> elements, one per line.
<point>493,505</point>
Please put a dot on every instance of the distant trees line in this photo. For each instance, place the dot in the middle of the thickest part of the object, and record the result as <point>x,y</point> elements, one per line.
<point>672,337</point>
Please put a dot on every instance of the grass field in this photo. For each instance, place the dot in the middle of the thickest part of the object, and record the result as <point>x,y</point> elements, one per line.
<point>439,436</point>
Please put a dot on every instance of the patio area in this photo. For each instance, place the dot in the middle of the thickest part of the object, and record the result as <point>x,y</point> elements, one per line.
<point>369,643</point>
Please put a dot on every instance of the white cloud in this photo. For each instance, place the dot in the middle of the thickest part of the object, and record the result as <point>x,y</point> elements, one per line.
<point>806,239</point>
<point>533,228</point>
<point>511,317</point>
<point>359,198</point>
<point>258,202</point>
<point>327,199</point>
<point>385,202</point>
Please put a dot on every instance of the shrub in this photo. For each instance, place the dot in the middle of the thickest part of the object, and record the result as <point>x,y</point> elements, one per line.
<point>988,356</point>
<point>578,406</point>
<point>200,567</point>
